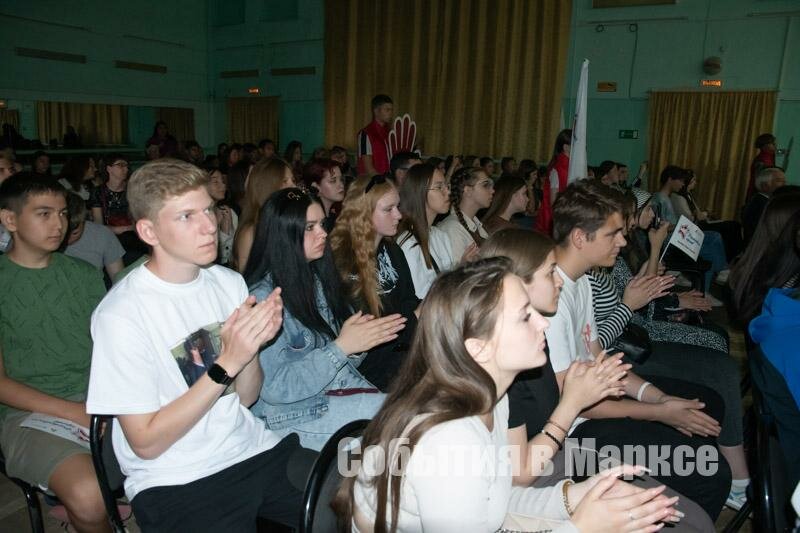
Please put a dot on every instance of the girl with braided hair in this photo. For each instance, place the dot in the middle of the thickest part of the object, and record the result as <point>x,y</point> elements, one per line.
<point>471,189</point>
<point>374,270</point>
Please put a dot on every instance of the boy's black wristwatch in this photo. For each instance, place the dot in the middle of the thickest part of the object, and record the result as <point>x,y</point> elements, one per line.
<point>219,375</point>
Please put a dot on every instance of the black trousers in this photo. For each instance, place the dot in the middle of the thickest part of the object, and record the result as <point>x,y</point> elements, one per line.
<point>269,485</point>
<point>708,491</point>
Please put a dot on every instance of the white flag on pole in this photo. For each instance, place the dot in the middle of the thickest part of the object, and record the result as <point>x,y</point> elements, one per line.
<point>577,154</point>
<point>687,237</point>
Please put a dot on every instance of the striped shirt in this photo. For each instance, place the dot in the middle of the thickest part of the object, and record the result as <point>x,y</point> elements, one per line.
<point>611,315</point>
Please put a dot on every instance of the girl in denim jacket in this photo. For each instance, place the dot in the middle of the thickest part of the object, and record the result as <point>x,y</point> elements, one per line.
<point>312,385</point>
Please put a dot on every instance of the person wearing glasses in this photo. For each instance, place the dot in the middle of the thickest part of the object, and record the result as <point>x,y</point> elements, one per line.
<point>471,189</point>
<point>109,205</point>
<point>423,196</point>
<point>374,270</point>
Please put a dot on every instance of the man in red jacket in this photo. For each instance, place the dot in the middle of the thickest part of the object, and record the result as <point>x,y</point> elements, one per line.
<point>373,140</point>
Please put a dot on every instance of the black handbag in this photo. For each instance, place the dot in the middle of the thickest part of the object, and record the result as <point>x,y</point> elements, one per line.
<point>634,342</point>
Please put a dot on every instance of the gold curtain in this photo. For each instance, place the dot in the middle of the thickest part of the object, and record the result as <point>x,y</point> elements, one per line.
<point>252,119</point>
<point>484,77</point>
<point>713,134</point>
<point>10,116</point>
<point>179,120</point>
<point>97,124</point>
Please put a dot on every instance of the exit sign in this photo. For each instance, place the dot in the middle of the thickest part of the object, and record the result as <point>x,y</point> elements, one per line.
<point>628,134</point>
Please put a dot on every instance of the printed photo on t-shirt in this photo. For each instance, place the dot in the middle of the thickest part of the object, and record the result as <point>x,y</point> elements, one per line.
<point>196,353</point>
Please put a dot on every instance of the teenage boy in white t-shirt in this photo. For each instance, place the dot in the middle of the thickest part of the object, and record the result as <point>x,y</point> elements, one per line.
<point>174,359</point>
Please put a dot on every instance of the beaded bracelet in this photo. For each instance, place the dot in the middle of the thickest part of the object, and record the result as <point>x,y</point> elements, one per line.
<point>564,489</point>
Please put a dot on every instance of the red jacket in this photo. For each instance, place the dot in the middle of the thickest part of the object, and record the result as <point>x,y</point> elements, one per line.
<point>378,136</point>
<point>762,160</point>
<point>544,218</point>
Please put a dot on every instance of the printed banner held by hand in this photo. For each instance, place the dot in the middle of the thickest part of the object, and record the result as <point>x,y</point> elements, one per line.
<point>687,237</point>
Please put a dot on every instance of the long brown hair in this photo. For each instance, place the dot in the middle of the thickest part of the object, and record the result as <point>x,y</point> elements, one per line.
<point>352,240</point>
<point>413,201</point>
<point>265,178</point>
<point>439,378</point>
<point>527,249</point>
<point>504,189</point>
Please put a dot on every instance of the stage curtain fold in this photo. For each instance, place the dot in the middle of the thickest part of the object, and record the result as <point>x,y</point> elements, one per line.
<point>251,119</point>
<point>713,134</point>
<point>479,77</point>
<point>97,124</point>
<point>179,121</point>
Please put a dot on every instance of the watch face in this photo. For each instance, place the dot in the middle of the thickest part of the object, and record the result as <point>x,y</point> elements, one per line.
<point>218,375</point>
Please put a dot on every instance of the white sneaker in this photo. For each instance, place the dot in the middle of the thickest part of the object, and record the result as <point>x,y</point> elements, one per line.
<point>722,277</point>
<point>681,281</point>
<point>713,301</point>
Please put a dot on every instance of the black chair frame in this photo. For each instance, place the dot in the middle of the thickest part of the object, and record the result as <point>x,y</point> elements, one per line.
<point>319,472</point>
<point>96,441</point>
<point>31,493</point>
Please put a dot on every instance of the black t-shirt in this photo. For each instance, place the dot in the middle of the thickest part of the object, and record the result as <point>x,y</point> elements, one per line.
<point>396,288</point>
<point>532,398</point>
<point>114,206</point>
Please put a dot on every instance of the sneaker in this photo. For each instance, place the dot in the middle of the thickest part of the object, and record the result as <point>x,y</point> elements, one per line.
<point>736,499</point>
<point>722,277</point>
<point>713,301</point>
<point>681,281</point>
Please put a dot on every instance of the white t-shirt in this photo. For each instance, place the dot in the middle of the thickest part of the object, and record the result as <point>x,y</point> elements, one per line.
<point>439,246</point>
<point>459,237</point>
<point>459,479</point>
<point>572,328</point>
<point>143,331</point>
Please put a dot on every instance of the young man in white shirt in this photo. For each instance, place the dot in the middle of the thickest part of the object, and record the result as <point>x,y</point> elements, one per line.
<point>195,458</point>
<point>587,228</point>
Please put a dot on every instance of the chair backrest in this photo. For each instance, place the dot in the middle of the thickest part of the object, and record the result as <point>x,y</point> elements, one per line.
<point>109,475</point>
<point>775,409</point>
<point>323,482</point>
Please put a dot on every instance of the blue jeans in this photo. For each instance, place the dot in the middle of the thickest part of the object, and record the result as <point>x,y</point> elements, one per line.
<point>713,250</point>
<point>341,410</point>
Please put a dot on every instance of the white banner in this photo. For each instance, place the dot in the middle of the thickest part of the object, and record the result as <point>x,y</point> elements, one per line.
<point>687,237</point>
<point>577,153</point>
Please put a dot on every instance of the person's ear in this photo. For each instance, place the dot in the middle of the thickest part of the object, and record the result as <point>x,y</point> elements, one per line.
<point>478,349</point>
<point>147,232</point>
<point>8,219</point>
<point>578,238</point>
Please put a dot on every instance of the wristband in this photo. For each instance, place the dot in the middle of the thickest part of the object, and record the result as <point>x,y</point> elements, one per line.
<point>641,390</point>
<point>558,443</point>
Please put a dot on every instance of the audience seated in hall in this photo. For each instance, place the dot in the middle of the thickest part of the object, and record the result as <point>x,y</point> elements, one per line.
<point>477,332</point>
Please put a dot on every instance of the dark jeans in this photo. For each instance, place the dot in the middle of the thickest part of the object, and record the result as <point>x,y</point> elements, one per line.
<point>708,491</point>
<point>715,370</point>
<point>269,485</point>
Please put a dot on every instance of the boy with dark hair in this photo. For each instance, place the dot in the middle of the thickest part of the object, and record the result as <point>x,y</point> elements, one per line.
<point>400,164</point>
<point>588,230</point>
<point>508,166</point>
<point>266,149</point>
<point>195,457</point>
<point>94,243</point>
<point>487,163</point>
<point>373,139</point>
<point>46,300</point>
<point>194,152</point>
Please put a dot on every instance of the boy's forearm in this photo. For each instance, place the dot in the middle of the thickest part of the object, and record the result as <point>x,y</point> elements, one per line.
<point>26,398</point>
<point>248,383</point>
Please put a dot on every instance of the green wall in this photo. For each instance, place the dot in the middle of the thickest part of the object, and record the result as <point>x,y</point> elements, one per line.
<point>264,35</point>
<point>172,34</point>
<point>663,47</point>
<point>641,49</point>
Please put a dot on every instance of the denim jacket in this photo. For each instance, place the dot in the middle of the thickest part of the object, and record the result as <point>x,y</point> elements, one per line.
<point>300,366</point>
